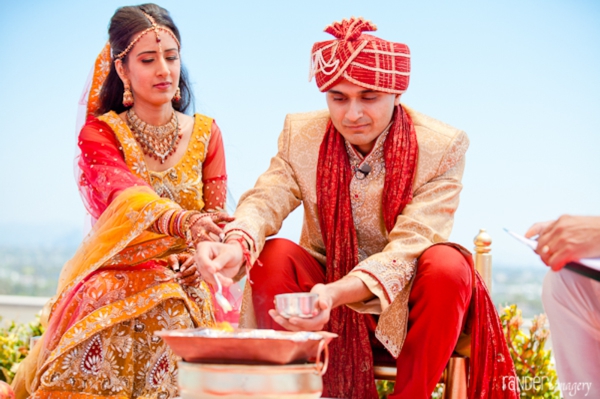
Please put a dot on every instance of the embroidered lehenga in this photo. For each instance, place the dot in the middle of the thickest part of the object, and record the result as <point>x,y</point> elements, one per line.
<point>118,289</point>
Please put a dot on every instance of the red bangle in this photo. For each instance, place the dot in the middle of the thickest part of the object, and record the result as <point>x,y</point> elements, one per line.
<point>177,224</point>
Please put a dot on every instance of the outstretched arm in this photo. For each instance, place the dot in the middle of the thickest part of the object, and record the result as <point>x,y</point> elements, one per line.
<point>262,209</point>
<point>347,290</point>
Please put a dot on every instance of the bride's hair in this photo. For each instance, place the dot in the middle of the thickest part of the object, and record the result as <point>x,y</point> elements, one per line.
<point>125,24</point>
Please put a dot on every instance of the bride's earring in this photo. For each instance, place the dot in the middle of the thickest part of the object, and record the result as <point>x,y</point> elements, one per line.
<point>127,95</point>
<point>177,96</point>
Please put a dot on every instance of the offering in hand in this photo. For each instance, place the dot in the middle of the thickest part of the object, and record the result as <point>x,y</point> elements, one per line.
<point>300,304</point>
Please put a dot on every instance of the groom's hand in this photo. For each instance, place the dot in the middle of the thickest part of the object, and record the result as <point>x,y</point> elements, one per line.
<point>321,313</point>
<point>223,258</point>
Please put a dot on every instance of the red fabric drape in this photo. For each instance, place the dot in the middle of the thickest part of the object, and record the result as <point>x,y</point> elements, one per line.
<point>103,172</point>
<point>351,374</point>
<point>491,369</point>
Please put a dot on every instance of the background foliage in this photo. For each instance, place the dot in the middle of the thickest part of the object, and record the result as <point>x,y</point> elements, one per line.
<point>533,362</point>
<point>14,346</point>
<point>536,375</point>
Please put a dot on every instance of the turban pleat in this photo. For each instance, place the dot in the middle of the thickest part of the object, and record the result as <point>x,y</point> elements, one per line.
<point>362,59</point>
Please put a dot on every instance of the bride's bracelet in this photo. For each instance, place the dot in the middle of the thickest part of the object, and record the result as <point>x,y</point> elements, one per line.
<point>197,216</point>
<point>176,223</point>
<point>190,222</point>
<point>161,224</point>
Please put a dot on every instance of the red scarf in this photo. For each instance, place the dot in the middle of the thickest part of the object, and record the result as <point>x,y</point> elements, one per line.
<point>351,360</point>
<point>491,371</point>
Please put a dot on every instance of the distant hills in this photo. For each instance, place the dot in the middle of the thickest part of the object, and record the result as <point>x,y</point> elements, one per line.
<point>43,235</point>
<point>31,258</point>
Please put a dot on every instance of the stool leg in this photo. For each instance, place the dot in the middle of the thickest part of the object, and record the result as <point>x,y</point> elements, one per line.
<point>456,379</point>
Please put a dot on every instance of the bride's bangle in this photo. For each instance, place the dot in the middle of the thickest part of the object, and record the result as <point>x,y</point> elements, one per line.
<point>191,222</point>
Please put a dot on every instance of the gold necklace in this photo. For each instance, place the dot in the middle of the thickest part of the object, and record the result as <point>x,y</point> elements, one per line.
<point>158,142</point>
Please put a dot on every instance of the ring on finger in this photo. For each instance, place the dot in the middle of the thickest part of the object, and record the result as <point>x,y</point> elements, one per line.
<point>545,249</point>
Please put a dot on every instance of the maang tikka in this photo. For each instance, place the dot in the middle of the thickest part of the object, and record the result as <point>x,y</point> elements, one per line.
<point>154,27</point>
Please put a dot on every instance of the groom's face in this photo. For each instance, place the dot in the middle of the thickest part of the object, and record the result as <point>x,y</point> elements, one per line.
<point>360,114</point>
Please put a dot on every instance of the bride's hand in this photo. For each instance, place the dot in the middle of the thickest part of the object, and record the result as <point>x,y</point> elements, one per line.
<point>186,272</point>
<point>206,227</point>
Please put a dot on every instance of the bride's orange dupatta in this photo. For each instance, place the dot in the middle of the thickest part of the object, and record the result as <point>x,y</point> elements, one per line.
<point>125,207</point>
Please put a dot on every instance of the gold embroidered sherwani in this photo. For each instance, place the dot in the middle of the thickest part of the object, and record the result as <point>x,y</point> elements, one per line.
<point>387,261</point>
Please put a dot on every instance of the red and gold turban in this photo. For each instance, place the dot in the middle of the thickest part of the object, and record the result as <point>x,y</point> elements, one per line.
<point>361,59</point>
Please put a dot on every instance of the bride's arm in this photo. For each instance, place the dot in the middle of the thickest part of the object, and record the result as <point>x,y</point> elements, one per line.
<point>214,173</point>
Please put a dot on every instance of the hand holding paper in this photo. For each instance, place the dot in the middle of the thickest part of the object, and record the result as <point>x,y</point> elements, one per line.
<point>567,239</point>
<point>572,242</point>
<point>593,263</point>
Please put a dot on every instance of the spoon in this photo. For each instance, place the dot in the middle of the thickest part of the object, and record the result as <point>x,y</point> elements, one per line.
<point>221,300</point>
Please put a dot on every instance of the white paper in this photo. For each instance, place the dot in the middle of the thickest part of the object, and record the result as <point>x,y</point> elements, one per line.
<point>592,263</point>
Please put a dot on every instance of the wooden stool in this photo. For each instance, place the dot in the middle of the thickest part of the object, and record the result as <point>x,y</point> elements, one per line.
<point>454,377</point>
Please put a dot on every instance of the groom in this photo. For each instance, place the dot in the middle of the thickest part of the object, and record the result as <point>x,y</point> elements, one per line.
<point>379,184</point>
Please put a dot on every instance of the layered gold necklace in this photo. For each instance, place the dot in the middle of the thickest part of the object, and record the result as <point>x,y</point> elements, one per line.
<point>158,142</point>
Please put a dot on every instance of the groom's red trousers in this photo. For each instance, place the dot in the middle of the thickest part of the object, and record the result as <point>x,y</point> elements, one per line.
<point>438,304</point>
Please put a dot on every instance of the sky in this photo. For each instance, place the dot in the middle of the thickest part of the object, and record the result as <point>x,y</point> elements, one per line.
<point>520,77</point>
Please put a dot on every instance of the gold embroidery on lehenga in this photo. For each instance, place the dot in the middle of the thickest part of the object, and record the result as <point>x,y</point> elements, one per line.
<point>181,183</point>
<point>141,221</point>
<point>112,339</point>
<point>114,353</point>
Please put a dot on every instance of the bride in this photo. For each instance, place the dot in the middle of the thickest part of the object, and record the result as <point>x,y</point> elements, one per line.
<point>153,179</point>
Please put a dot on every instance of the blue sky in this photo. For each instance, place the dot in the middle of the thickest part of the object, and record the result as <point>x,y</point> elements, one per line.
<point>520,77</point>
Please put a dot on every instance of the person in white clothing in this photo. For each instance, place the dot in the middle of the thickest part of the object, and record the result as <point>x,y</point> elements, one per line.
<point>572,301</point>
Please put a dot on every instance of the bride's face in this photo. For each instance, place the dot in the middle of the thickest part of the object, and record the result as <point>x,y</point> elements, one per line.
<point>152,69</point>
